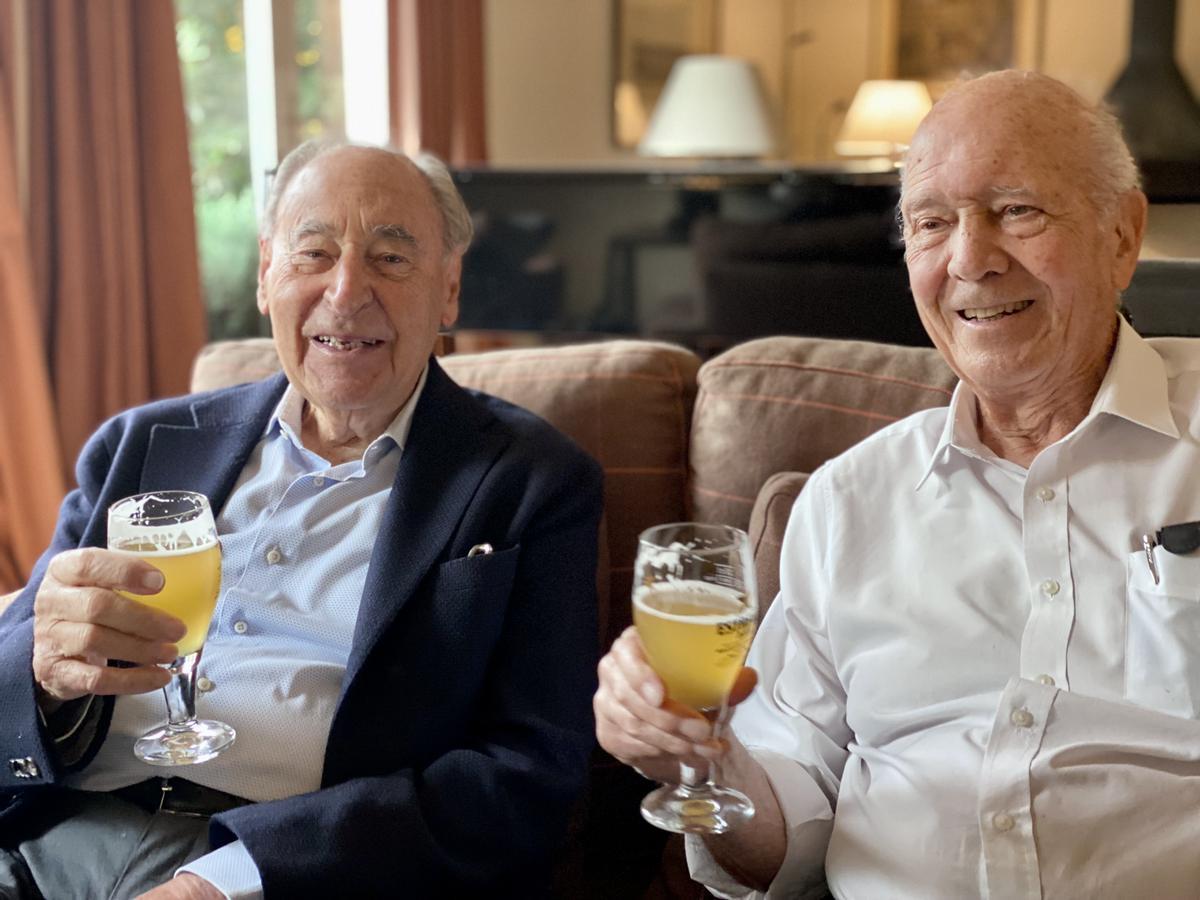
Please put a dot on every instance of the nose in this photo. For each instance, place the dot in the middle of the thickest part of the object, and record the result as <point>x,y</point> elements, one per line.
<point>350,289</point>
<point>974,251</point>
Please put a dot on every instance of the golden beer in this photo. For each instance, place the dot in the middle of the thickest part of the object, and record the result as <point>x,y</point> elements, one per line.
<point>696,638</point>
<point>192,582</point>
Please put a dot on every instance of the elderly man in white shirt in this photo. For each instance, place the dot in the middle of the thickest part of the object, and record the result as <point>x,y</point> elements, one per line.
<point>981,676</point>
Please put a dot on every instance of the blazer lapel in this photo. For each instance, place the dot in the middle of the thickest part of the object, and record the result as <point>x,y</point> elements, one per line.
<point>208,455</point>
<point>452,444</point>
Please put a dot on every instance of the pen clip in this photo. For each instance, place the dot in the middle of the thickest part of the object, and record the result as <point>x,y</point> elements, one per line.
<point>1148,544</point>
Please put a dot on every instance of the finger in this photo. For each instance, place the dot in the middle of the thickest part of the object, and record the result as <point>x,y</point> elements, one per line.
<point>659,727</point>
<point>636,742</point>
<point>743,686</point>
<point>81,639</point>
<point>629,656</point>
<point>93,566</point>
<point>71,678</point>
<point>100,606</point>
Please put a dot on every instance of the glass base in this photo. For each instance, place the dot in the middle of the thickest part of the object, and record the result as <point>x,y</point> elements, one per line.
<point>704,809</point>
<point>197,742</point>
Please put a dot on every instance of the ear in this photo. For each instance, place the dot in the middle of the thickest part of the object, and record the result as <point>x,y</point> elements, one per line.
<point>264,263</point>
<point>1130,226</point>
<point>453,276</point>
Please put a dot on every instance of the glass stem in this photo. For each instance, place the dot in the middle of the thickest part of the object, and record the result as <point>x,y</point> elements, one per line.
<point>688,776</point>
<point>180,691</point>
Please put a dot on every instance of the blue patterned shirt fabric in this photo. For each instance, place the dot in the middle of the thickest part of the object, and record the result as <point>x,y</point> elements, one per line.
<point>296,535</point>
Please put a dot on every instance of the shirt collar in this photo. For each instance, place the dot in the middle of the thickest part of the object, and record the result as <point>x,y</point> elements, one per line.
<point>287,417</point>
<point>1134,388</point>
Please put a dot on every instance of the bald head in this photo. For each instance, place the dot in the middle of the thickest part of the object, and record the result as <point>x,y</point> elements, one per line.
<point>1040,115</point>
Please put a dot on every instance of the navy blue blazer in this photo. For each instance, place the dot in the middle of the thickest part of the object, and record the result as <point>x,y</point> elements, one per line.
<point>464,726</point>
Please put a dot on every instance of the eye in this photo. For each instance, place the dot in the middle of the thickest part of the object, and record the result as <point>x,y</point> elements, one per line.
<point>1020,211</point>
<point>928,225</point>
<point>393,259</point>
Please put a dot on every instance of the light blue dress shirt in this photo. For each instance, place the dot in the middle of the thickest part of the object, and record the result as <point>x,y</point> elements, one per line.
<point>296,539</point>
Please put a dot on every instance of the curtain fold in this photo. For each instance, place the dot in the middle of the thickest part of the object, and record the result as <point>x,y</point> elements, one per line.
<point>98,138</point>
<point>436,67</point>
<point>31,474</point>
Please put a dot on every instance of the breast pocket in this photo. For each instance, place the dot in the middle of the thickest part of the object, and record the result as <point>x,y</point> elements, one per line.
<point>1162,633</point>
<point>486,573</point>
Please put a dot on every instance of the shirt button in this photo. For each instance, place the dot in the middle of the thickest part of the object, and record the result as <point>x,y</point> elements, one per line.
<point>318,481</point>
<point>1050,587</point>
<point>1045,494</point>
<point>1022,718</point>
<point>1003,822</point>
<point>240,627</point>
<point>1046,680</point>
<point>204,685</point>
<point>274,557</point>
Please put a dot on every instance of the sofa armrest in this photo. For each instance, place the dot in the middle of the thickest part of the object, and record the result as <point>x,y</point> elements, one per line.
<point>768,522</point>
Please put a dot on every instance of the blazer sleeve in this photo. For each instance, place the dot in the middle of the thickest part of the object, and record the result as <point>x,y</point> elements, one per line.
<point>486,813</point>
<point>28,753</point>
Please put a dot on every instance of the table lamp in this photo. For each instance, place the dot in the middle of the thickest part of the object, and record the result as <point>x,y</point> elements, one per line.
<point>711,107</point>
<point>882,119</point>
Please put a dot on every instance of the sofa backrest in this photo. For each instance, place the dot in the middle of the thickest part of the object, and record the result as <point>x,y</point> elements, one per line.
<point>787,404</point>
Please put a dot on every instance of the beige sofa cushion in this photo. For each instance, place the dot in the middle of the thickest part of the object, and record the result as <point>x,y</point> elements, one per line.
<point>790,403</point>
<point>226,363</point>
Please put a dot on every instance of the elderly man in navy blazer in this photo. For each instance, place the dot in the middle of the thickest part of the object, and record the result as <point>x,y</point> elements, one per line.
<point>405,636</point>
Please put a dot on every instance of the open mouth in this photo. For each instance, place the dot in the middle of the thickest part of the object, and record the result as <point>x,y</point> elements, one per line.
<point>991,313</point>
<point>333,343</point>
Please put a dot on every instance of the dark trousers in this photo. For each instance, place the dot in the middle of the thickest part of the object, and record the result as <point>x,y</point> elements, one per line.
<point>79,844</point>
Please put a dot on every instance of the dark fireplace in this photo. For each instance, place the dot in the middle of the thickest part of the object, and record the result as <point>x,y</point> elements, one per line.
<point>1156,107</point>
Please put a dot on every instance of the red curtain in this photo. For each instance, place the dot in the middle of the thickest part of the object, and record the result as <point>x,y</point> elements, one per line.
<point>100,143</point>
<point>31,474</point>
<point>435,58</point>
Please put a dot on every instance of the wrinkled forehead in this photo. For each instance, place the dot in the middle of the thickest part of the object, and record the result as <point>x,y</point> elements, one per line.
<point>371,187</point>
<point>1005,139</point>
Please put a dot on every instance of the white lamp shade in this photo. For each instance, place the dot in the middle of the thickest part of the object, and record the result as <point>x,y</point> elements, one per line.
<point>711,106</point>
<point>882,118</point>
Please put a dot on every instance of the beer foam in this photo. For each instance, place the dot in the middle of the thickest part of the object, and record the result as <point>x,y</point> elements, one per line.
<point>727,604</point>
<point>156,553</point>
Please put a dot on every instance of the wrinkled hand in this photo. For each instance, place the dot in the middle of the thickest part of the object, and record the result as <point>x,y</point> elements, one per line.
<point>80,623</point>
<point>184,886</point>
<point>638,725</point>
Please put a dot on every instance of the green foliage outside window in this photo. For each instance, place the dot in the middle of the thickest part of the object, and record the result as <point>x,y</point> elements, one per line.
<point>212,58</point>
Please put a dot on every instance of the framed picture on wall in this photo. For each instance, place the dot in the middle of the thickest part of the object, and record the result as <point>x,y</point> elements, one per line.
<point>648,36</point>
<point>937,41</point>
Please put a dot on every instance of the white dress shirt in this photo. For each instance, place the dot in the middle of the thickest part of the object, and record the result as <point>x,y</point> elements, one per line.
<point>296,539</point>
<point>970,684</point>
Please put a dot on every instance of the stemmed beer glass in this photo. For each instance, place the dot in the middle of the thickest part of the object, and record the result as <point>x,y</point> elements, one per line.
<point>695,609</point>
<point>174,532</point>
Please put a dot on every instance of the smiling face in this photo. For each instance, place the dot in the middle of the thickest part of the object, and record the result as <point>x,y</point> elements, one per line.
<point>1015,269</point>
<point>357,281</point>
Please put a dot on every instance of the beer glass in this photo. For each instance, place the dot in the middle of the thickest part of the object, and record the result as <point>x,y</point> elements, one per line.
<point>695,610</point>
<point>175,533</point>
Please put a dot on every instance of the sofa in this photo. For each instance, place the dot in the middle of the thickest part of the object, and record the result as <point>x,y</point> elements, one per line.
<point>730,440</point>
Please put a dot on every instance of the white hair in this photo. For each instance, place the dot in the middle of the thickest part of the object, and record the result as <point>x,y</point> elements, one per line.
<point>457,228</point>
